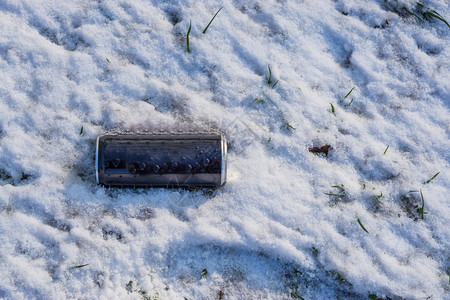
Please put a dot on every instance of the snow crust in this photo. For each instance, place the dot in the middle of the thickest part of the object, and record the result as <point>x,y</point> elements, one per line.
<point>272,232</point>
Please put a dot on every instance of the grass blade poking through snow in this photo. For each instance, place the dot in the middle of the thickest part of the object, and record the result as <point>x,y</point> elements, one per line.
<point>341,189</point>
<point>386,150</point>
<point>289,126</point>
<point>429,180</point>
<point>187,38</point>
<point>332,108</point>
<point>434,14</point>
<point>360,224</point>
<point>81,130</point>
<point>79,266</point>
<point>269,79</point>
<point>413,14</point>
<point>335,195</point>
<point>421,210</point>
<point>348,94</point>
<point>338,187</point>
<point>428,13</point>
<point>422,13</point>
<point>206,28</point>
<point>378,197</point>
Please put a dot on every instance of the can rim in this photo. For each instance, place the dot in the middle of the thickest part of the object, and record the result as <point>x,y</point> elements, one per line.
<point>96,161</point>
<point>223,175</point>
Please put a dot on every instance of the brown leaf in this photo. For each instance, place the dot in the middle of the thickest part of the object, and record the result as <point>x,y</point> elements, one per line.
<point>324,149</point>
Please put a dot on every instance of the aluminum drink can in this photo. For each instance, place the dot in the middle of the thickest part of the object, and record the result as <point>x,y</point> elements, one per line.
<point>161,160</point>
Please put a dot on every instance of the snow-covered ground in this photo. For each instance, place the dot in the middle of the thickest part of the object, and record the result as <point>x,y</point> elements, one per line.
<point>288,223</point>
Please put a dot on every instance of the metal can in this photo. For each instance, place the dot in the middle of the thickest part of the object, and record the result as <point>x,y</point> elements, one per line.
<point>161,160</point>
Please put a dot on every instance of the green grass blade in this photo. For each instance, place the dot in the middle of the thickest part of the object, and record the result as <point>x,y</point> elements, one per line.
<point>423,203</point>
<point>378,197</point>
<point>437,16</point>
<point>386,150</point>
<point>435,12</point>
<point>187,38</point>
<point>336,195</point>
<point>206,28</point>
<point>411,13</point>
<point>434,176</point>
<point>421,210</point>
<point>348,94</point>
<point>79,266</point>
<point>338,187</point>
<point>349,103</point>
<point>269,79</point>
<point>289,126</point>
<point>204,273</point>
<point>373,296</point>
<point>81,130</point>
<point>360,224</point>
<point>332,108</point>
<point>295,295</point>
<point>275,84</point>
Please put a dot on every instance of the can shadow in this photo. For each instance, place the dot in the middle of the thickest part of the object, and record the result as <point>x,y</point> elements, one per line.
<point>82,190</point>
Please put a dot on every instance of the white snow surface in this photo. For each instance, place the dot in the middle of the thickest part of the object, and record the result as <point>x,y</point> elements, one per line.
<point>271,232</point>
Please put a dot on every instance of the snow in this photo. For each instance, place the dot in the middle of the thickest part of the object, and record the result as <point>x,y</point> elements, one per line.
<point>271,232</point>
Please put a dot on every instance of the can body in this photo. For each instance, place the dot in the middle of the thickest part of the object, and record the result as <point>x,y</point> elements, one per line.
<point>161,160</point>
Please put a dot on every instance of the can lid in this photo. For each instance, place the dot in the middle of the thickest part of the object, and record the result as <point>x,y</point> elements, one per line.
<point>96,161</point>
<point>223,177</point>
